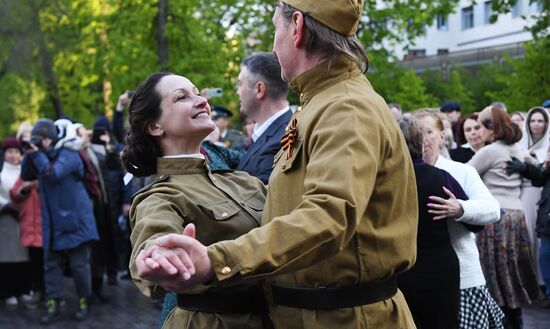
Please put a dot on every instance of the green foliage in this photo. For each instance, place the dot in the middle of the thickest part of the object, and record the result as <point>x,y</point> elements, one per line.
<point>529,83</point>
<point>100,48</point>
<point>456,91</point>
<point>486,83</point>
<point>411,93</point>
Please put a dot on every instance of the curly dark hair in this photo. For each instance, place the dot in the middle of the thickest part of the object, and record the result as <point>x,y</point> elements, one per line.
<point>142,150</point>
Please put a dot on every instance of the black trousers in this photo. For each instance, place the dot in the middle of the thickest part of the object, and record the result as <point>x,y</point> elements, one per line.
<point>434,309</point>
<point>36,256</point>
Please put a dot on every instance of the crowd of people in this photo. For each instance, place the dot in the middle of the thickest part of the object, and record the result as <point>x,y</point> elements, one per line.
<point>339,212</point>
<point>66,204</point>
<point>501,259</point>
<point>64,211</point>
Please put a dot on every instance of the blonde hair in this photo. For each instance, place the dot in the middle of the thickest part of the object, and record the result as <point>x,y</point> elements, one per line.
<point>433,113</point>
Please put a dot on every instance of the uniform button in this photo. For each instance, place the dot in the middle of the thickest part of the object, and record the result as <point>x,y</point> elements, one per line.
<point>226,270</point>
<point>284,166</point>
<point>299,109</point>
<point>225,214</point>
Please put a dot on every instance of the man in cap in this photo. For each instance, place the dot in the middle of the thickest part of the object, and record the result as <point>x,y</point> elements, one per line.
<point>451,110</point>
<point>263,95</point>
<point>341,213</point>
<point>229,137</point>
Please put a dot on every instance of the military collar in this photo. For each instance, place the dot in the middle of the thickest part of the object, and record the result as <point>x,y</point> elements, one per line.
<point>181,166</point>
<point>322,76</point>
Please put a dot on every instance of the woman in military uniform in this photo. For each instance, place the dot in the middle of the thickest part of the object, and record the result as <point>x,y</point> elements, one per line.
<point>168,120</point>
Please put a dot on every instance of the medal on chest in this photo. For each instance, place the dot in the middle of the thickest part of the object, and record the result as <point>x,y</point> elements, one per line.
<point>289,139</point>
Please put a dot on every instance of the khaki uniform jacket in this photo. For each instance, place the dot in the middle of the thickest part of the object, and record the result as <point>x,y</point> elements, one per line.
<point>341,210</point>
<point>222,205</point>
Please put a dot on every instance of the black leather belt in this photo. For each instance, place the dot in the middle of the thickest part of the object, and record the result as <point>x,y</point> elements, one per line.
<point>224,302</point>
<point>328,298</point>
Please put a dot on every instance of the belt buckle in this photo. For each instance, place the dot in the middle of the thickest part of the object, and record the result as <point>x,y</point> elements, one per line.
<point>324,301</point>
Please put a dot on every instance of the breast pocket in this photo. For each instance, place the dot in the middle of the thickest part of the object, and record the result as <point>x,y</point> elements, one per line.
<point>254,200</point>
<point>220,211</point>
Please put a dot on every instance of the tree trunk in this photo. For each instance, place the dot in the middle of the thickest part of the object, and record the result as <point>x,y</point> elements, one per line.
<point>47,67</point>
<point>162,43</point>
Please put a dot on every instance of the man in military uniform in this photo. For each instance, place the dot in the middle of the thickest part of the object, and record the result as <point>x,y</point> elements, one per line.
<point>229,137</point>
<point>341,214</point>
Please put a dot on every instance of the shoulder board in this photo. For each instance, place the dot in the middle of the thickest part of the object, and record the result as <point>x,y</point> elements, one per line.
<point>163,178</point>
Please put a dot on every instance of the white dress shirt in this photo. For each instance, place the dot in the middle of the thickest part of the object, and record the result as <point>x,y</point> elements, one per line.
<point>259,130</point>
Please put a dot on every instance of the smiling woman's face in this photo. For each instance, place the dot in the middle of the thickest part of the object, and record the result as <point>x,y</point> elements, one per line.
<point>185,113</point>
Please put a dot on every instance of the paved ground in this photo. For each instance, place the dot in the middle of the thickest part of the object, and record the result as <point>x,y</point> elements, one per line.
<point>128,309</point>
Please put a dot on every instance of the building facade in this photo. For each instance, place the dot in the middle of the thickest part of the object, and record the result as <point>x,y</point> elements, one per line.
<point>468,38</point>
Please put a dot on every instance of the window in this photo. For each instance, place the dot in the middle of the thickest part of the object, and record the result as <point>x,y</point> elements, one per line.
<point>414,53</point>
<point>443,51</point>
<point>417,52</point>
<point>517,9</point>
<point>467,18</point>
<point>487,12</point>
<point>442,23</point>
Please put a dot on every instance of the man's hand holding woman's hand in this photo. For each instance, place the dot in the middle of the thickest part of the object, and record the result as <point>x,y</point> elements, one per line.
<point>176,262</point>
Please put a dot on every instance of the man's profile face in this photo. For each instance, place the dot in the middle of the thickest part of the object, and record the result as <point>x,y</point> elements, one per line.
<point>244,91</point>
<point>282,43</point>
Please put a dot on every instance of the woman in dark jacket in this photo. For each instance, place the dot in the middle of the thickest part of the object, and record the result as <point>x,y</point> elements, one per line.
<point>431,287</point>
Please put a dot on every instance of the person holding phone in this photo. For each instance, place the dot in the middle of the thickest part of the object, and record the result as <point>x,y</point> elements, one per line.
<point>118,116</point>
<point>68,223</point>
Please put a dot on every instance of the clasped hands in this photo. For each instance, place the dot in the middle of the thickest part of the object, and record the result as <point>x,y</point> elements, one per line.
<point>445,208</point>
<point>176,262</point>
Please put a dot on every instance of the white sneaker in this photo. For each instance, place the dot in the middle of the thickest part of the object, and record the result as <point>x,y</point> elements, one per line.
<point>12,302</point>
<point>31,298</point>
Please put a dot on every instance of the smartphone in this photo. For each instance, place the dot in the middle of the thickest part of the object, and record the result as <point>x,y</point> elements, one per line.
<point>96,134</point>
<point>214,92</point>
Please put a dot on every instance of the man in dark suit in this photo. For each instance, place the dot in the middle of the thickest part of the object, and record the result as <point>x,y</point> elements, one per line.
<point>263,96</point>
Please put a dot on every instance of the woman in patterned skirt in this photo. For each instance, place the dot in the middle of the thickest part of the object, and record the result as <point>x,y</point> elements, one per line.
<point>504,246</point>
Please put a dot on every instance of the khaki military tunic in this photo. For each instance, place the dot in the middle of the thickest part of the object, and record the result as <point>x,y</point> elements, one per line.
<point>341,207</point>
<point>222,206</point>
